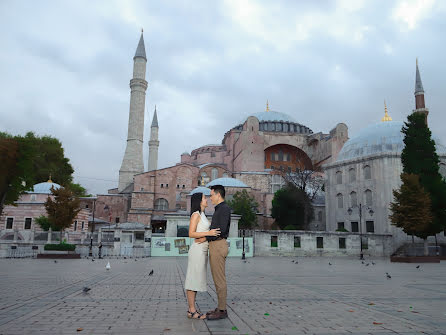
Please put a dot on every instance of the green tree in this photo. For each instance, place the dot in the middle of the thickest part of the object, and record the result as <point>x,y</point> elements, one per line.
<point>63,209</point>
<point>28,160</point>
<point>245,205</point>
<point>50,160</point>
<point>419,157</point>
<point>16,169</point>
<point>411,208</point>
<point>291,206</point>
<point>45,223</point>
<point>78,190</point>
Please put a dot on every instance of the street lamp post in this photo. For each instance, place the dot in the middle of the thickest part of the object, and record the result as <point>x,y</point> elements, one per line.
<point>349,211</point>
<point>361,255</point>
<point>90,253</point>
<point>243,242</point>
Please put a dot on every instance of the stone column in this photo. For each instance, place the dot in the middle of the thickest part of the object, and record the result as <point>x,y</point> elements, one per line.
<point>117,242</point>
<point>33,233</point>
<point>16,233</point>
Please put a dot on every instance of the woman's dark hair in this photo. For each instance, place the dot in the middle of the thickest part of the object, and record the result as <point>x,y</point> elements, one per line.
<point>195,202</point>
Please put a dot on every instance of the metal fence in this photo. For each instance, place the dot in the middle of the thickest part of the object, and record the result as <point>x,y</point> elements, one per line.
<point>21,252</point>
<point>248,233</point>
<point>110,252</point>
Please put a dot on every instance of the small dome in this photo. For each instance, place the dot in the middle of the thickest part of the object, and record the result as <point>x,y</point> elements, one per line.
<point>201,189</point>
<point>44,188</point>
<point>227,182</point>
<point>378,138</point>
<point>185,153</point>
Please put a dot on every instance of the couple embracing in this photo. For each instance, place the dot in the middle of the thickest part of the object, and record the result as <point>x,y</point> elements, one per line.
<point>208,237</point>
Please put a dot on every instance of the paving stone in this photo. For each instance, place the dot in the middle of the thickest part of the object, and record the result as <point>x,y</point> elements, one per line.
<point>267,295</point>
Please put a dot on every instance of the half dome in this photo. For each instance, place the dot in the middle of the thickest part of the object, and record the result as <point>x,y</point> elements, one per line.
<point>201,189</point>
<point>227,182</point>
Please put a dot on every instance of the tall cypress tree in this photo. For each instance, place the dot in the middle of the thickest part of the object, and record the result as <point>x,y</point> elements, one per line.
<point>419,157</point>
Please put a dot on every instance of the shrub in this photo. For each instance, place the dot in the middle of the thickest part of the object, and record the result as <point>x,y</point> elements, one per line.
<point>60,247</point>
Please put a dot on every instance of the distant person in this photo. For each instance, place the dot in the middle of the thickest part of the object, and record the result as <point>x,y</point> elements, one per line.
<point>100,249</point>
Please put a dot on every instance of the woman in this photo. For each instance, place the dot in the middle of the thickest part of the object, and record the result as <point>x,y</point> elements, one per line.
<point>198,254</point>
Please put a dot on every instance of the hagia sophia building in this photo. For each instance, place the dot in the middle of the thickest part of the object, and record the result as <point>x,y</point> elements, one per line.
<point>247,158</point>
<point>359,172</point>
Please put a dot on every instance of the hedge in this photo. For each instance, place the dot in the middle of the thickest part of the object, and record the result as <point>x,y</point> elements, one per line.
<point>60,247</point>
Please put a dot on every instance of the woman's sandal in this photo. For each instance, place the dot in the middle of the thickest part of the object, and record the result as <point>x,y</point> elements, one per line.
<point>191,315</point>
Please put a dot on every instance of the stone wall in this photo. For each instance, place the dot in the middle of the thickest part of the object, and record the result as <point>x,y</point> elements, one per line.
<point>178,220</point>
<point>378,245</point>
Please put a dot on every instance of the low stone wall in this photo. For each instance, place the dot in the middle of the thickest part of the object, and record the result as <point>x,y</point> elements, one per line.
<point>373,244</point>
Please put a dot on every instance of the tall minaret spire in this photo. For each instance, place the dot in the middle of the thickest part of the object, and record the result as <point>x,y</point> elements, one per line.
<point>420,106</point>
<point>133,163</point>
<point>153,143</point>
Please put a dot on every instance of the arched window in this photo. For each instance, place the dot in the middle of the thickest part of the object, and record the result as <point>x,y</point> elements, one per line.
<point>278,126</point>
<point>340,200</point>
<point>277,182</point>
<point>214,173</point>
<point>270,126</point>
<point>280,156</point>
<point>353,199</point>
<point>352,175</point>
<point>319,216</point>
<point>285,127</point>
<point>161,204</point>
<point>338,177</point>
<point>367,172</point>
<point>368,198</point>
<point>225,175</point>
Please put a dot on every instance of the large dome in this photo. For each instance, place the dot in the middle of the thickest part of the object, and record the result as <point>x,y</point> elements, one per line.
<point>271,121</point>
<point>382,137</point>
<point>273,116</point>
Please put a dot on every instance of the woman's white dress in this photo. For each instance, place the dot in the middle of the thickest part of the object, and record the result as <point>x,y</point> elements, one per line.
<point>198,260</point>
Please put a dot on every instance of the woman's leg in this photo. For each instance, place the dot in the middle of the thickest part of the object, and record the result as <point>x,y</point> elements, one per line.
<point>191,300</point>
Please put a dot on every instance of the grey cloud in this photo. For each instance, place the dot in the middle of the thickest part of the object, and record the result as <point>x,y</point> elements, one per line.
<point>66,70</point>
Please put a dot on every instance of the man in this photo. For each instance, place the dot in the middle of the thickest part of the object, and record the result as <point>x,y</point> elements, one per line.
<point>218,249</point>
<point>100,250</point>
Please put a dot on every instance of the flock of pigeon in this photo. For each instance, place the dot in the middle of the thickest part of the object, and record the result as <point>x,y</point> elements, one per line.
<point>108,267</point>
<point>388,276</point>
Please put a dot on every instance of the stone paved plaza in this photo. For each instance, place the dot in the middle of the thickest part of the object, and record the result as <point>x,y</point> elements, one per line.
<point>266,295</point>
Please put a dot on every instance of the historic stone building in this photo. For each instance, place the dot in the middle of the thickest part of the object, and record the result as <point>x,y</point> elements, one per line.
<point>22,217</point>
<point>359,183</point>
<point>252,152</point>
<point>360,174</point>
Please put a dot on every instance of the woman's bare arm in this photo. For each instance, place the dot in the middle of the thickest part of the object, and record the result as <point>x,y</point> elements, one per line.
<point>193,228</point>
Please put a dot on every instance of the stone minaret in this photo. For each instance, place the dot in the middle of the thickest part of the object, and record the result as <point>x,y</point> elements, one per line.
<point>153,144</point>
<point>132,163</point>
<point>420,106</point>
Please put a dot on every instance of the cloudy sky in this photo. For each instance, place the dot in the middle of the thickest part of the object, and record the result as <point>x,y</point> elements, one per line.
<point>65,69</point>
